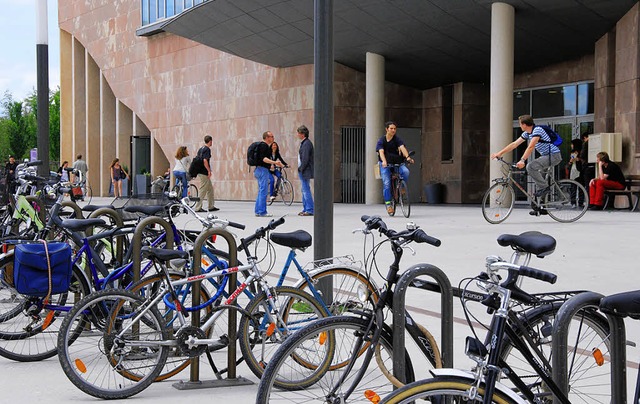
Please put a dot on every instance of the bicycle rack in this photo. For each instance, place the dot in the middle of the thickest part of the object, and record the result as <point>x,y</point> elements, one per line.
<point>232,379</point>
<point>618,343</point>
<point>399,316</point>
<point>136,242</point>
<point>116,219</point>
<point>76,209</point>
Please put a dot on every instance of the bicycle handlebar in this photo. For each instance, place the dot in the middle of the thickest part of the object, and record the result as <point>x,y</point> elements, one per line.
<point>415,235</point>
<point>260,233</point>
<point>522,270</point>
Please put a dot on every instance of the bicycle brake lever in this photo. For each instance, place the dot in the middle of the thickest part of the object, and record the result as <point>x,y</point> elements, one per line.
<point>413,252</point>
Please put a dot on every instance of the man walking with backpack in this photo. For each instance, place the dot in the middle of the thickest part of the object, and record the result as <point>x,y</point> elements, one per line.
<point>262,174</point>
<point>540,140</point>
<point>204,176</point>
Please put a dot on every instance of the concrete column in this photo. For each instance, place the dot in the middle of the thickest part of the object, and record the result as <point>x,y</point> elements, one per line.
<point>107,136</point>
<point>501,89</point>
<point>79,104</point>
<point>92,108</point>
<point>374,124</point>
<point>66,97</point>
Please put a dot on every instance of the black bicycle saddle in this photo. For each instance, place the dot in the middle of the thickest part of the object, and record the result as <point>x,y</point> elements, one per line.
<point>532,242</point>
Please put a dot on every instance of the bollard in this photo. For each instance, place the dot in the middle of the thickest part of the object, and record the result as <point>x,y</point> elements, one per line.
<point>399,315</point>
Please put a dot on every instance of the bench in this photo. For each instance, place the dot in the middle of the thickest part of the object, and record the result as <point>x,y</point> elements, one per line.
<point>631,189</point>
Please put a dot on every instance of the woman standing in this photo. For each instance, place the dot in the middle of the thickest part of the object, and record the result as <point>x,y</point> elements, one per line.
<point>181,168</point>
<point>273,185</point>
<point>63,175</point>
<point>117,174</point>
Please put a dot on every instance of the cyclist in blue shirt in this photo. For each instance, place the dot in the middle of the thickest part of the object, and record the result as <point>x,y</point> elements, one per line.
<point>391,150</point>
<point>539,140</point>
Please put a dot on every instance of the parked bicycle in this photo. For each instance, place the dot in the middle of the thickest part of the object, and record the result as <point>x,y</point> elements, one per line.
<point>565,200</point>
<point>399,190</point>
<point>282,188</point>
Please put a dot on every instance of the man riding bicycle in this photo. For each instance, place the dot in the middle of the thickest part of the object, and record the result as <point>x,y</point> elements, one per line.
<point>391,150</point>
<point>549,154</point>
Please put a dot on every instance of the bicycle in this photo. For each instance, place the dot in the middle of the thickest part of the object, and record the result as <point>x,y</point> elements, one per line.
<point>192,192</point>
<point>506,332</point>
<point>138,343</point>
<point>80,190</point>
<point>282,188</point>
<point>328,359</point>
<point>564,200</point>
<point>399,190</point>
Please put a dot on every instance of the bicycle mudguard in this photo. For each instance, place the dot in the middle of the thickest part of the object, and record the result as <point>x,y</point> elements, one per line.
<point>469,377</point>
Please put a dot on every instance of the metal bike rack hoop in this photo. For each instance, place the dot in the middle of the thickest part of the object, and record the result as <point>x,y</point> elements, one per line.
<point>559,344</point>
<point>136,243</point>
<point>115,218</point>
<point>399,315</point>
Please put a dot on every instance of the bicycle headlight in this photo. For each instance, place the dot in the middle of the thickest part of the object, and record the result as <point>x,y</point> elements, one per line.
<point>363,294</point>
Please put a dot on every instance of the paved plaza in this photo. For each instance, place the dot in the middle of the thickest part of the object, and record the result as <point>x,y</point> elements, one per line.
<point>599,253</point>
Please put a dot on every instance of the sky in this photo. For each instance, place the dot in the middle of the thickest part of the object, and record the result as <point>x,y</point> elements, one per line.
<point>18,47</point>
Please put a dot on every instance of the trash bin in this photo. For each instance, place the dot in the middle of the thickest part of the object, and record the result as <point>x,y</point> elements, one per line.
<point>434,193</point>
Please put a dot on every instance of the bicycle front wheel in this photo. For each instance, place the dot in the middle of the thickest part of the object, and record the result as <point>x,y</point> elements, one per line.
<point>110,345</point>
<point>563,201</point>
<point>260,337</point>
<point>497,203</point>
<point>286,192</point>
<point>444,389</point>
<point>301,370</point>
<point>403,198</point>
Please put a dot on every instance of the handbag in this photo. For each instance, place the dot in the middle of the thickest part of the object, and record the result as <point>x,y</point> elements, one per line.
<point>42,269</point>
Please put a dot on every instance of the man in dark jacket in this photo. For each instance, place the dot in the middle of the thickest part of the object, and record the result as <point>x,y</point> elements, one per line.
<point>305,170</point>
<point>262,174</point>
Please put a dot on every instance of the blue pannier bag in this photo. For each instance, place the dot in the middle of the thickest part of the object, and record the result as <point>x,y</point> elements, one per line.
<point>553,135</point>
<point>31,271</point>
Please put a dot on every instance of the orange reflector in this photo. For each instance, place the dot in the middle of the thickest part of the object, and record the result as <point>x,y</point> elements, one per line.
<point>498,191</point>
<point>80,366</point>
<point>47,321</point>
<point>271,329</point>
<point>213,238</point>
<point>597,355</point>
<point>372,396</point>
<point>322,338</point>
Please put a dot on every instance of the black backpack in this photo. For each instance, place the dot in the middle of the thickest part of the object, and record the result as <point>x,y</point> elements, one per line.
<point>253,154</point>
<point>197,165</point>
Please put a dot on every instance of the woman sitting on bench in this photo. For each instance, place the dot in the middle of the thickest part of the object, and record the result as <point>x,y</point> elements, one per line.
<point>609,176</point>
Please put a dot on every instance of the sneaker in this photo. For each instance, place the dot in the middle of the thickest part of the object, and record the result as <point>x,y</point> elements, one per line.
<point>390,210</point>
<point>214,209</point>
<point>596,207</point>
<point>264,215</point>
<point>305,214</point>
<point>538,212</point>
<point>272,198</point>
<point>202,210</point>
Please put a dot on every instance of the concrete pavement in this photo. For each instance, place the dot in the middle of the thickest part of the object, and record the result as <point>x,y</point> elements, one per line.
<point>599,253</point>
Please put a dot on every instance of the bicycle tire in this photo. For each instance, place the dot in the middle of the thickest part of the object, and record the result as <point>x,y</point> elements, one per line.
<point>32,337</point>
<point>449,389</point>
<point>286,192</point>
<point>497,202</point>
<point>87,194</point>
<point>98,364</point>
<point>588,330</point>
<point>289,378</point>
<point>192,193</point>
<point>562,201</point>
<point>394,198</point>
<point>348,286</point>
<point>176,362</point>
<point>260,340</point>
<point>403,198</point>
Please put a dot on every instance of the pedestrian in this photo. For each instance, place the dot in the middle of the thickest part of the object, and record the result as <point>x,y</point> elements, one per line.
<point>391,150</point>
<point>10,172</point>
<point>81,167</point>
<point>276,172</point>
<point>181,168</point>
<point>117,174</point>
<point>261,173</point>
<point>204,176</point>
<point>63,174</point>
<point>549,155</point>
<point>305,170</point>
<point>609,176</point>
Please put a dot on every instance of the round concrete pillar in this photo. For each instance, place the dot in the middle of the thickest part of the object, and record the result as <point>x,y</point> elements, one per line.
<point>374,124</point>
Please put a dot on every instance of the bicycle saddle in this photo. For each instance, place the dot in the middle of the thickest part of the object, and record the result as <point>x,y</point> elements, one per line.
<point>532,242</point>
<point>147,210</point>
<point>294,239</point>
<point>81,224</point>
<point>622,304</point>
<point>163,254</point>
<point>92,208</point>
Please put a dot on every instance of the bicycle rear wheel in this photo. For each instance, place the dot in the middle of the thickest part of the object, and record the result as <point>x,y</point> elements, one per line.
<point>562,202</point>
<point>109,347</point>
<point>192,193</point>
<point>588,330</point>
<point>403,198</point>
<point>286,192</point>
<point>497,203</point>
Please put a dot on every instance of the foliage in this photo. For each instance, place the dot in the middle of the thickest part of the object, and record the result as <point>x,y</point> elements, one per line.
<point>18,126</point>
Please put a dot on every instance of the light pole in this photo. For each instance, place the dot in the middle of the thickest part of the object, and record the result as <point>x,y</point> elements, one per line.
<point>42,62</point>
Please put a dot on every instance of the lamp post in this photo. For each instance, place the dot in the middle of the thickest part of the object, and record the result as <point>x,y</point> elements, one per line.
<point>42,62</point>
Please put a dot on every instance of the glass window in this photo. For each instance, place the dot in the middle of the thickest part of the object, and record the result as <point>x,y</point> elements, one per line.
<point>521,103</point>
<point>179,6</point>
<point>161,9</point>
<point>145,12</point>
<point>554,101</point>
<point>170,8</point>
<point>447,123</point>
<point>585,98</point>
<point>153,15</point>
<point>188,3</point>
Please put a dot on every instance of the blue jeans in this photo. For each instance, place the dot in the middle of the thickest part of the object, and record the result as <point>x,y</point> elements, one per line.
<point>262,175</point>
<point>272,181</point>
<point>385,173</point>
<point>307,197</point>
<point>182,177</point>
